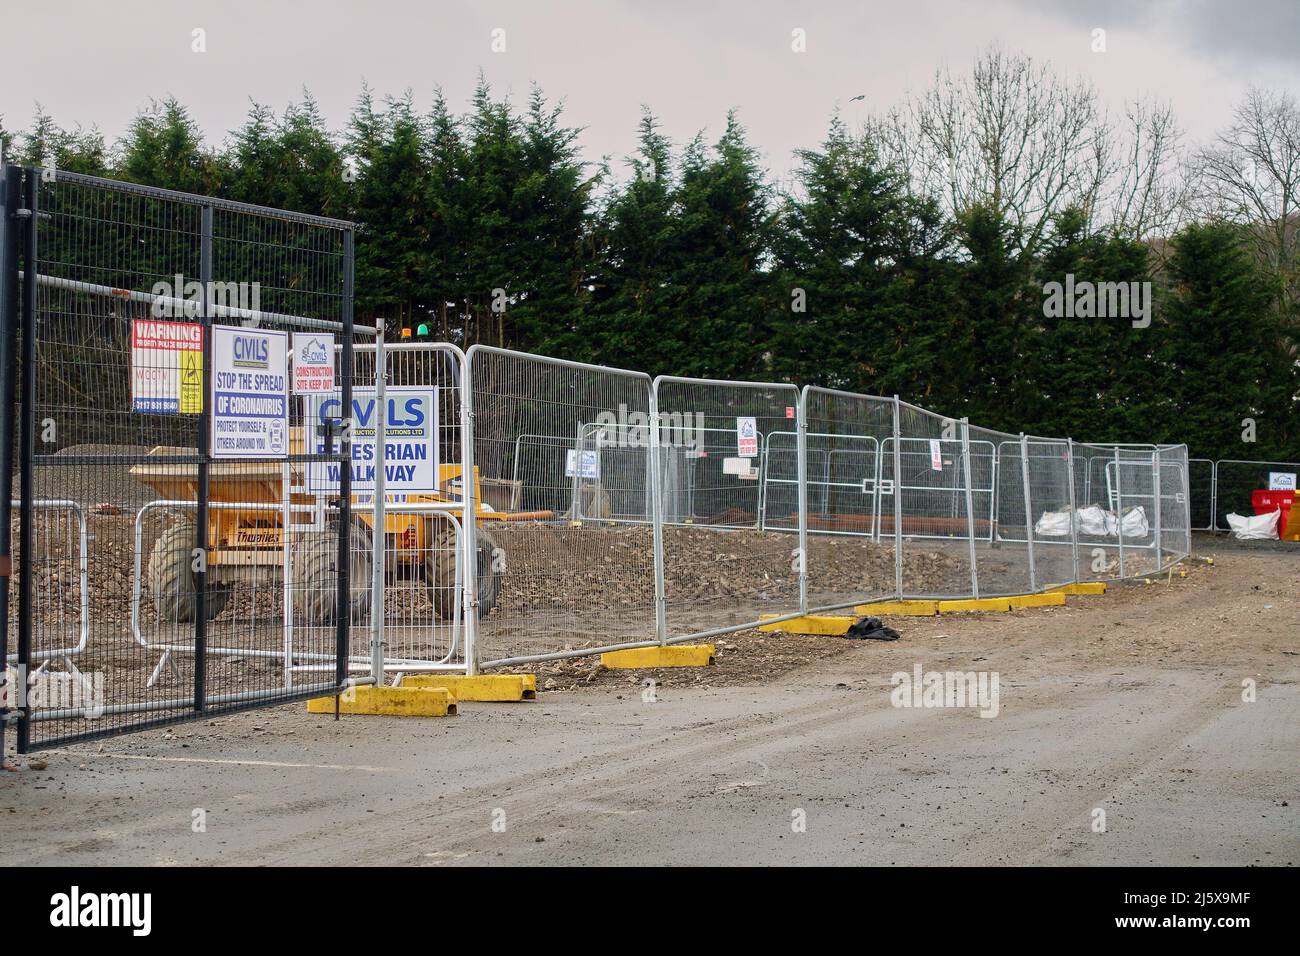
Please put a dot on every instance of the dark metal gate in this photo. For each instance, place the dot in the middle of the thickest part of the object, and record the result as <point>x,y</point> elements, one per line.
<point>183,541</point>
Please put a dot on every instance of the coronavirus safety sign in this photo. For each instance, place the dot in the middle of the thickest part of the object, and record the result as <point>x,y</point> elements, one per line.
<point>250,393</point>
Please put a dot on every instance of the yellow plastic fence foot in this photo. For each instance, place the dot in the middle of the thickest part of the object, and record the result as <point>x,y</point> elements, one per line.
<point>975,604</point>
<point>1087,587</point>
<point>834,626</point>
<point>672,655</point>
<point>389,702</point>
<point>482,687</point>
<point>1049,599</point>
<point>901,608</point>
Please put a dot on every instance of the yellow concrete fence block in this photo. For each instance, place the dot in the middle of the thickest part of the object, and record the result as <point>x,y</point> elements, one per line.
<point>975,604</point>
<point>1050,599</point>
<point>811,624</point>
<point>900,608</point>
<point>1087,587</point>
<point>480,687</point>
<point>672,655</point>
<point>389,702</point>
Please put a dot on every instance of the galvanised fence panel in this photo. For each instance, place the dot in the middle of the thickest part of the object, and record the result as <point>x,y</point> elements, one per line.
<point>1200,487</point>
<point>1051,499</point>
<point>721,569</point>
<point>150,566</point>
<point>1235,480</point>
<point>925,500</point>
<point>848,558</point>
<point>415,392</point>
<point>1175,513</point>
<point>566,448</point>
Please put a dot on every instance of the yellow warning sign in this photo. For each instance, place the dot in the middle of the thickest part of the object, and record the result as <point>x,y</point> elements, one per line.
<point>191,382</point>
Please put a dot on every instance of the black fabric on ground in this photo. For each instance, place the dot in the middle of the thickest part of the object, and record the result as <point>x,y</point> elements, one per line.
<point>871,629</point>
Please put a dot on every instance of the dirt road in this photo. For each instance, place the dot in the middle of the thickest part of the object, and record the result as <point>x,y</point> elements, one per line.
<point>1131,703</point>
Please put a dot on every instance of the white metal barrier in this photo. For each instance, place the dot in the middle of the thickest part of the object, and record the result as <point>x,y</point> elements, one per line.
<point>66,653</point>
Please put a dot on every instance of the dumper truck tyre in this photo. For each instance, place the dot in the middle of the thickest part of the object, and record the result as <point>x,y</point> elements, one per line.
<point>171,577</point>
<point>440,572</point>
<point>315,587</point>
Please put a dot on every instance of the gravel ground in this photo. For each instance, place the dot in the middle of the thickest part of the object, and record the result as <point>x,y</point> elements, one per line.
<point>1131,702</point>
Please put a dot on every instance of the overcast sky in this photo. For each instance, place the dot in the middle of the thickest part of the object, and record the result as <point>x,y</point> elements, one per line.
<point>98,63</point>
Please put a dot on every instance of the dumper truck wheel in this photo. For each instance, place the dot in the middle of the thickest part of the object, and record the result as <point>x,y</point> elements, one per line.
<point>315,586</point>
<point>440,572</point>
<point>171,577</point>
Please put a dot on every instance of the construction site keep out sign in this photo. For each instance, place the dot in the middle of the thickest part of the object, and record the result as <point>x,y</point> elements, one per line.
<point>250,393</point>
<point>166,367</point>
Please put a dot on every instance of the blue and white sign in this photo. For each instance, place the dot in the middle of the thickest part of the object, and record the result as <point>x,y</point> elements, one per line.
<point>250,393</point>
<point>410,439</point>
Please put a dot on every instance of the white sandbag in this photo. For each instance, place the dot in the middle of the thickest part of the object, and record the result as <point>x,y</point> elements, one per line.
<point>1134,523</point>
<point>1053,524</point>
<point>1094,521</point>
<point>1254,527</point>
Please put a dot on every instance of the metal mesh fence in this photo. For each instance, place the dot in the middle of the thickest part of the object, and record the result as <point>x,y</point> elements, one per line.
<point>720,567</point>
<point>927,502</point>
<point>1200,484</point>
<point>564,449</point>
<point>849,559</point>
<point>151,556</point>
<point>1236,480</point>
<point>446,511</point>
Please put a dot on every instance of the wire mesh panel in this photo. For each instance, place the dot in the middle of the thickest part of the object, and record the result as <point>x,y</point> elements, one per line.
<point>415,557</point>
<point>720,568</point>
<point>923,494</point>
<point>565,448</point>
<point>1050,501</point>
<point>1175,515</point>
<point>1200,489</point>
<point>169,537</point>
<point>1002,549</point>
<point>848,559</point>
<point>1236,481</point>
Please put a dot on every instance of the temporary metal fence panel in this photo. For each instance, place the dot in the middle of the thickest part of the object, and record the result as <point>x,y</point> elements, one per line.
<point>848,558</point>
<point>924,479</point>
<point>1175,534</point>
<point>720,570</point>
<point>698,488</point>
<point>122,288</point>
<point>779,467</point>
<point>1200,489</point>
<point>1005,564</point>
<point>1235,480</point>
<point>1050,493</point>
<point>414,394</point>
<point>577,575</point>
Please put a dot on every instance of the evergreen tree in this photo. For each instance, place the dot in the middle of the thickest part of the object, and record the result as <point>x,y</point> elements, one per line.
<point>1095,377</point>
<point>1219,357</point>
<point>634,288</point>
<point>857,254</point>
<point>726,294</point>
<point>389,200</point>
<point>289,163</point>
<point>78,151</point>
<point>164,148</point>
